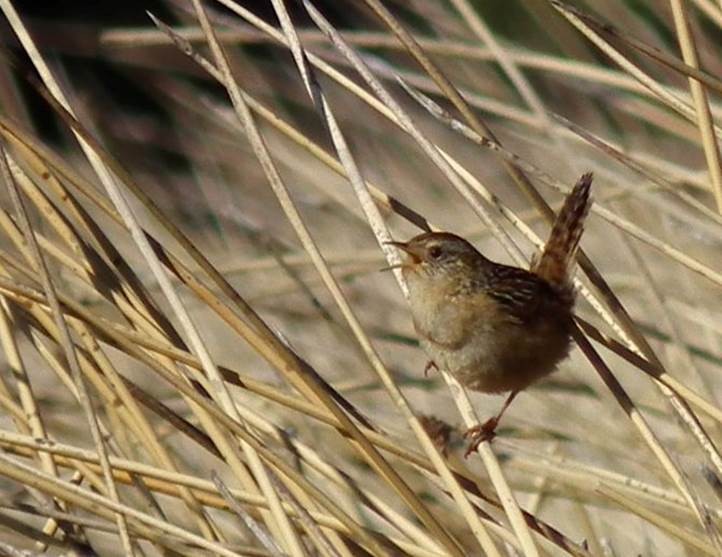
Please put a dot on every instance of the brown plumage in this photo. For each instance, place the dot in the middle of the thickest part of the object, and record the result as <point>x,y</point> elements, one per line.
<point>554,264</point>
<point>495,327</point>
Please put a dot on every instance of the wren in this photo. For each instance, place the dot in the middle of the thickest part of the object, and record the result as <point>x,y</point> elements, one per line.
<point>494,327</point>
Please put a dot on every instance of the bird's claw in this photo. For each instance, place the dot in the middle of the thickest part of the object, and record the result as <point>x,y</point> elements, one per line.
<point>480,434</point>
<point>430,364</point>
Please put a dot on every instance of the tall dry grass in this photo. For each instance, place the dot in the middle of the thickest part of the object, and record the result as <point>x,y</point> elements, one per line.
<point>202,357</point>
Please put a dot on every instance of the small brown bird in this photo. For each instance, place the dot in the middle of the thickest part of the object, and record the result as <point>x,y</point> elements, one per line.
<point>496,328</point>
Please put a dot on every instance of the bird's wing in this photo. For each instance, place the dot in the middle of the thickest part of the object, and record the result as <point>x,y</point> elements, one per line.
<point>521,293</point>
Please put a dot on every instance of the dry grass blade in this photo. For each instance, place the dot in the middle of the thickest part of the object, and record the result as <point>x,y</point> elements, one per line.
<point>11,551</point>
<point>685,412</point>
<point>690,539</point>
<point>67,343</point>
<point>627,327</point>
<point>691,70</point>
<point>303,388</point>
<point>505,494</point>
<point>176,263</point>
<point>632,357</point>
<point>699,94</point>
<point>306,373</point>
<point>209,425</point>
<point>250,523</point>
<point>383,237</point>
<point>224,421</point>
<point>531,169</point>
<point>323,543</point>
<point>633,337</point>
<point>664,94</point>
<point>388,201</point>
<point>130,414</point>
<point>639,168</point>
<point>161,480</point>
<point>522,57</point>
<point>30,419</point>
<point>481,29</point>
<point>175,266</point>
<point>388,445</point>
<point>88,500</point>
<point>230,452</point>
<point>690,67</point>
<point>295,219</point>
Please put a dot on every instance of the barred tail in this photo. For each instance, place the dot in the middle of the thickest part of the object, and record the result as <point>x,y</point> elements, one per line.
<point>556,259</point>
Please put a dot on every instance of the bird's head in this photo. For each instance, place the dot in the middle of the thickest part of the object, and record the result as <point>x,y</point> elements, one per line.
<point>438,254</point>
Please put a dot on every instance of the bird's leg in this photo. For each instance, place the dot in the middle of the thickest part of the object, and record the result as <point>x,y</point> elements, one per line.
<point>486,431</point>
<point>430,364</point>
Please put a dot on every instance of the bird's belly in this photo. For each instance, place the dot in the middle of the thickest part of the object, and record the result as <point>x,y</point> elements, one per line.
<point>489,365</point>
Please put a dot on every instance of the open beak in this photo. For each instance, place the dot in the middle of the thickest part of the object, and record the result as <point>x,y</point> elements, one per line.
<point>403,246</point>
<point>392,267</point>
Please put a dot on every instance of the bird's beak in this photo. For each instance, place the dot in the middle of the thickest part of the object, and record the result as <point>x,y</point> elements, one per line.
<point>392,267</point>
<point>403,246</point>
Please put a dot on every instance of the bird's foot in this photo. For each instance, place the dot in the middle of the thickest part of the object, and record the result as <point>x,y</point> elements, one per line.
<point>430,364</point>
<point>480,434</point>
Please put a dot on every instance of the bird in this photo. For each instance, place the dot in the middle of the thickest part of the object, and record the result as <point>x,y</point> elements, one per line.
<point>496,328</point>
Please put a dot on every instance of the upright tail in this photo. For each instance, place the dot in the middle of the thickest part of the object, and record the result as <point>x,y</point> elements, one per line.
<point>556,259</point>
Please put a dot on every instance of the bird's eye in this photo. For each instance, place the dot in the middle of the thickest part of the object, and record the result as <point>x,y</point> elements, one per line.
<point>435,252</point>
